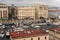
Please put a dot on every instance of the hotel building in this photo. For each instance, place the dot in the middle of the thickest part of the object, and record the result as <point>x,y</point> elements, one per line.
<point>3,11</point>
<point>41,11</point>
<point>34,12</point>
<point>12,11</point>
<point>54,33</point>
<point>22,12</point>
<point>25,11</point>
<point>30,35</point>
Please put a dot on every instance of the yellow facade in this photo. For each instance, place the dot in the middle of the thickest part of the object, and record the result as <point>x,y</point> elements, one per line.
<point>24,12</point>
<point>35,11</point>
<point>41,11</point>
<point>3,11</point>
<point>42,37</point>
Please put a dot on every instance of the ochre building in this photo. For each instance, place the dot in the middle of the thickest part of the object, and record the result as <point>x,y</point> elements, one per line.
<point>3,11</point>
<point>23,12</point>
<point>41,11</point>
<point>34,12</point>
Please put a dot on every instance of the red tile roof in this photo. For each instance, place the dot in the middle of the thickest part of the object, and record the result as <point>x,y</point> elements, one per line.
<point>29,33</point>
<point>56,28</point>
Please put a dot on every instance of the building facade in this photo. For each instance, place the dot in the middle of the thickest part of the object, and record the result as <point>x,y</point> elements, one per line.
<point>54,33</point>
<point>34,12</point>
<point>12,11</point>
<point>23,12</point>
<point>30,35</point>
<point>41,11</point>
<point>3,11</point>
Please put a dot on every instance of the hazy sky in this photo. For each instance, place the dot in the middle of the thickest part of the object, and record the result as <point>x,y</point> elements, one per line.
<point>27,2</point>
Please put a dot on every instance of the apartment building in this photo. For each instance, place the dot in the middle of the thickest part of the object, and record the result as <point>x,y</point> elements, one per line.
<point>3,11</point>
<point>55,33</point>
<point>34,12</point>
<point>30,35</point>
<point>26,11</point>
<point>12,11</point>
<point>41,11</point>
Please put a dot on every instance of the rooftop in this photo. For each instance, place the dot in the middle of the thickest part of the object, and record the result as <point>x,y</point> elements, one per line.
<point>57,29</point>
<point>28,33</point>
<point>2,4</point>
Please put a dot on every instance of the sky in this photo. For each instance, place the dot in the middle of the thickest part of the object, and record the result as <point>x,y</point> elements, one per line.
<point>50,3</point>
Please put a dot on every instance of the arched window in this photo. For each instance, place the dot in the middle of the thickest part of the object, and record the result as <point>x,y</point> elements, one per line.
<point>45,37</point>
<point>31,38</point>
<point>38,38</point>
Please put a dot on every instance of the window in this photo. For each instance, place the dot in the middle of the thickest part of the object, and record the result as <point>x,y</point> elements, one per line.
<point>5,14</point>
<point>41,7</point>
<point>31,38</point>
<point>45,8</point>
<point>45,37</point>
<point>38,38</point>
<point>24,39</point>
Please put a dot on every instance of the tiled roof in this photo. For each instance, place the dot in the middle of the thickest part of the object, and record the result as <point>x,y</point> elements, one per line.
<point>56,28</point>
<point>29,33</point>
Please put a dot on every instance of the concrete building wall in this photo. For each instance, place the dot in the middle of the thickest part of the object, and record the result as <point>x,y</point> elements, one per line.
<point>42,11</point>
<point>3,11</point>
<point>54,35</point>
<point>34,38</point>
<point>32,11</point>
<point>25,12</point>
